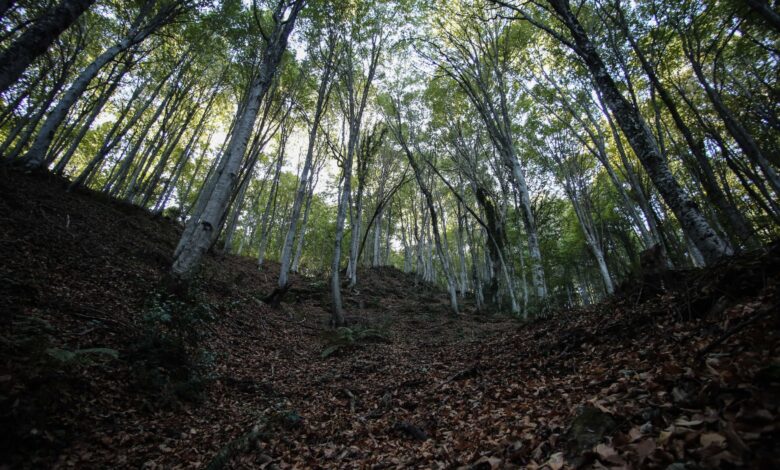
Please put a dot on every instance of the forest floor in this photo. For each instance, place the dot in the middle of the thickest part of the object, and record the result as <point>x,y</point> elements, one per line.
<point>679,371</point>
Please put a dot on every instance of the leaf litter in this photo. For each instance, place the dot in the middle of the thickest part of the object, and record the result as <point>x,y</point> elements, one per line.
<point>675,372</point>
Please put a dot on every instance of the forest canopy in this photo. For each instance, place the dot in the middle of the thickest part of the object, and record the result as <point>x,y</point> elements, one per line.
<point>526,154</point>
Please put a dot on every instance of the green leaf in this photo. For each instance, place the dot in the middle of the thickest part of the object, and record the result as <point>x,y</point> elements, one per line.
<point>81,355</point>
<point>330,350</point>
<point>62,355</point>
<point>112,353</point>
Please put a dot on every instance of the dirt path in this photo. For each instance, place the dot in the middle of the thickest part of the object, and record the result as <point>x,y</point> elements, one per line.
<point>683,373</point>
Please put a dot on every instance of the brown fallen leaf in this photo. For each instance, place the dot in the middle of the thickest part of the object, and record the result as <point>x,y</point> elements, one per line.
<point>605,451</point>
<point>487,462</point>
<point>644,448</point>
<point>556,461</point>
<point>712,439</point>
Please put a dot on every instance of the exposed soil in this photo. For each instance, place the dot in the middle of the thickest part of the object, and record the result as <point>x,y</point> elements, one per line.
<point>681,368</point>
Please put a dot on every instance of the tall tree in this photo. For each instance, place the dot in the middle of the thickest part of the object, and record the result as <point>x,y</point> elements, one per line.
<point>328,66</point>
<point>204,227</point>
<point>37,38</point>
<point>146,22</point>
<point>635,128</point>
<point>366,32</point>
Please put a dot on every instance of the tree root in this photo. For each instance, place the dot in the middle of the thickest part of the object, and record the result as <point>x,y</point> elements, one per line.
<point>236,446</point>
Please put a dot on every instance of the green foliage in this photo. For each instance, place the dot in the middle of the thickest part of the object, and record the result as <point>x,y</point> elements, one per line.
<point>32,339</point>
<point>345,337</point>
<point>168,359</point>
<point>82,356</point>
<point>31,336</point>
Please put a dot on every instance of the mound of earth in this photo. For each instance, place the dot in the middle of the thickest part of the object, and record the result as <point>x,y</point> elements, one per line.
<point>101,368</point>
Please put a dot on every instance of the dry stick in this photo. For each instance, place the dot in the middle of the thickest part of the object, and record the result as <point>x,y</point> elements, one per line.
<point>765,311</point>
<point>238,445</point>
<point>379,208</point>
<point>471,211</point>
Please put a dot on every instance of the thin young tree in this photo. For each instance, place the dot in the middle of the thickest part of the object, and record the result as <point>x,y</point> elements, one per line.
<point>204,226</point>
<point>37,39</point>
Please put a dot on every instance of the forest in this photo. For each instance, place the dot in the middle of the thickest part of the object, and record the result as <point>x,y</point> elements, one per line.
<point>389,234</point>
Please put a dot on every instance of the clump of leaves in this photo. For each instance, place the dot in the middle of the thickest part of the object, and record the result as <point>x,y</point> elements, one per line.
<point>87,356</point>
<point>168,358</point>
<point>173,213</point>
<point>29,336</point>
<point>32,337</point>
<point>347,337</point>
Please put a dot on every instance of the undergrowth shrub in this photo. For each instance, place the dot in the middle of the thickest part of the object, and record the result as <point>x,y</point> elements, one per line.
<point>45,378</point>
<point>168,358</point>
<point>348,337</point>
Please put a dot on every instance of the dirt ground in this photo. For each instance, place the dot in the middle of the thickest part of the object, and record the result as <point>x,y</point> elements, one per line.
<point>679,369</point>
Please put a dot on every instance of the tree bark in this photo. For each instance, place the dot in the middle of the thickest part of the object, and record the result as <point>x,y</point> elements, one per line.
<point>192,248</point>
<point>37,38</point>
<point>428,197</point>
<point>302,231</point>
<point>270,204</point>
<point>694,224</point>
<point>323,93</point>
<point>36,156</point>
<point>735,219</point>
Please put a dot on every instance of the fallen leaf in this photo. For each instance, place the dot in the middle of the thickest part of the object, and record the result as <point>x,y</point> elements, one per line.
<point>712,438</point>
<point>556,461</point>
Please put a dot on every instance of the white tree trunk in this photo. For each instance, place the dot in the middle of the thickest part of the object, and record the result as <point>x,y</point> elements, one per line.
<point>270,204</point>
<point>711,246</point>
<point>299,245</point>
<point>36,155</point>
<point>193,247</point>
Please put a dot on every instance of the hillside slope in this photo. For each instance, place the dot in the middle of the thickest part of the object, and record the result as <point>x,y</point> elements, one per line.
<point>681,369</point>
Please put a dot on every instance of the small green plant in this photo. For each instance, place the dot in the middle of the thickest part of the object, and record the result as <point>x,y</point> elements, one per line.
<point>87,356</point>
<point>29,336</point>
<point>173,212</point>
<point>168,357</point>
<point>346,337</point>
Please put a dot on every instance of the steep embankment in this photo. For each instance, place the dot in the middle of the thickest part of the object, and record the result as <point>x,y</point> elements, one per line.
<point>682,368</point>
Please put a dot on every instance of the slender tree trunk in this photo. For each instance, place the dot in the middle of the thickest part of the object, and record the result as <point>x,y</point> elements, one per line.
<point>323,93</point>
<point>736,220</point>
<point>354,108</point>
<point>270,204</point>
<point>149,186</point>
<point>302,231</point>
<point>115,134</point>
<point>28,124</point>
<point>712,247</point>
<point>478,296</point>
<point>188,188</point>
<point>535,253</point>
<point>428,197</point>
<point>337,318</point>
<point>65,159</point>
<point>356,230</point>
<point>35,157</point>
<point>388,234</point>
<point>37,38</point>
<point>147,158</point>
<point>377,248</point>
<point>633,178</point>
<point>407,250</point>
<point>593,244</point>
<point>230,229</point>
<point>184,158</point>
<point>191,248</point>
<point>743,138</point>
<point>464,286</point>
